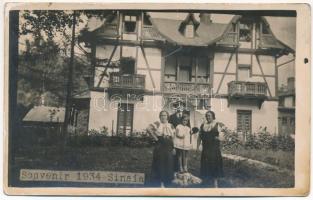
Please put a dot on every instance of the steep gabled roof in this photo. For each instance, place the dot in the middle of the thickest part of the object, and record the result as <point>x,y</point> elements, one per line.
<point>276,42</point>
<point>205,34</point>
<point>169,30</point>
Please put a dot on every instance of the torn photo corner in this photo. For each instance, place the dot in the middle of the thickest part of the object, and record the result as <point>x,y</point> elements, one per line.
<point>157,99</point>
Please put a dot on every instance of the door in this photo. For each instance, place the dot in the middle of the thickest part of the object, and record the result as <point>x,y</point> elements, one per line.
<point>244,121</point>
<point>125,116</point>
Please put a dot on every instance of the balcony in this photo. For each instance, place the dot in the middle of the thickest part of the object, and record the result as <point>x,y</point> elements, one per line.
<point>254,91</point>
<point>173,87</point>
<point>126,83</point>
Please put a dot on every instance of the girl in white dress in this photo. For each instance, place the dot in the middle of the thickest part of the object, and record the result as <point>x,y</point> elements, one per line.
<point>182,144</point>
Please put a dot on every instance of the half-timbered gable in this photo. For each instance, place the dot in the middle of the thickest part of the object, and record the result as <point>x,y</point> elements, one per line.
<point>148,63</point>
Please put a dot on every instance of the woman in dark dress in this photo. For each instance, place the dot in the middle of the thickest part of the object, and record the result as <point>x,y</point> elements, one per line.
<point>162,172</point>
<point>211,157</point>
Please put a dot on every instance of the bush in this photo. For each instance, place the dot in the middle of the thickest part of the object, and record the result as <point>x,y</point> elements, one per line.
<point>252,142</point>
<point>101,138</point>
<point>260,140</point>
<point>265,139</point>
<point>231,139</point>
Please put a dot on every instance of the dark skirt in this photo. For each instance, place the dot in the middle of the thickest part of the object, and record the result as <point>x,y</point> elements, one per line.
<point>211,160</point>
<point>162,163</point>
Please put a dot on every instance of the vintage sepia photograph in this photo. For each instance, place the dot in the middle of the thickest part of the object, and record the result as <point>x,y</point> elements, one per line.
<point>152,98</point>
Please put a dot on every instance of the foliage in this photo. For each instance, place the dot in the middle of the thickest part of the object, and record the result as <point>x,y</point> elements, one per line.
<point>51,22</point>
<point>231,139</point>
<point>102,138</point>
<point>259,140</point>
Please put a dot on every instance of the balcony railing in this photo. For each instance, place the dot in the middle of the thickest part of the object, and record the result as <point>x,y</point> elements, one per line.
<point>250,89</point>
<point>174,87</point>
<point>127,81</point>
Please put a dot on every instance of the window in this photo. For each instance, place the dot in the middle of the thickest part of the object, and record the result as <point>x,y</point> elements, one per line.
<point>189,31</point>
<point>146,21</point>
<point>244,121</point>
<point>245,32</point>
<point>184,73</point>
<point>127,65</point>
<point>203,74</point>
<point>185,69</point>
<point>130,23</point>
<point>264,28</point>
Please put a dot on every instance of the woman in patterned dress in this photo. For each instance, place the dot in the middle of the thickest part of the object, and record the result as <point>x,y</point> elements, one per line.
<point>162,172</point>
<point>211,157</point>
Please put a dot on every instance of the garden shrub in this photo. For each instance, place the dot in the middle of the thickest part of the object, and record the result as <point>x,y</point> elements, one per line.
<point>231,139</point>
<point>102,138</point>
<point>259,140</point>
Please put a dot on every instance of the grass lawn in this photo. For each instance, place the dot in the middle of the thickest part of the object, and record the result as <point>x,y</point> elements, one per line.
<point>282,159</point>
<point>127,159</point>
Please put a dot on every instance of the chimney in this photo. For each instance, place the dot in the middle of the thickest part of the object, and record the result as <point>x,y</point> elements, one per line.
<point>291,83</point>
<point>205,18</point>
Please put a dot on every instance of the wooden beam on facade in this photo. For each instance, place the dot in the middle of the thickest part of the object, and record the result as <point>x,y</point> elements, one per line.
<point>289,61</point>
<point>227,73</point>
<point>106,68</point>
<point>148,66</point>
<point>224,49</point>
<point>226,68</point>
<point>261,69</point>
<point>276,78</point>
<point>93,64</point>
<point>113,41</point>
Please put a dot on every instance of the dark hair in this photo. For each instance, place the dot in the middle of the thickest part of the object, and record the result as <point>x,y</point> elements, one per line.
<point>185,116</point>
<point>211,112</point>
<point>164,111</point>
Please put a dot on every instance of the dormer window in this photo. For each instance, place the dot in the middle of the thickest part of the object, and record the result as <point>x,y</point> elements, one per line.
<point>189,26</point>
<point>265,29</point>
<point>130,23</point>
<point>189,31</point>
<point>245,31</point>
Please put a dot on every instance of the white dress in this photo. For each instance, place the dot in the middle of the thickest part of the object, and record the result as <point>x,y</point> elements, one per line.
<point>182,138</point>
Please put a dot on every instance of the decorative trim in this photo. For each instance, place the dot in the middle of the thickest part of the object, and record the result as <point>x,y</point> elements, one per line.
<point>162,68</point>
<point>276,78</point>
<point>227,73</point>
<point>260,75</point>
<point>260,66</point>
<point>270,52</point>
<point>148,66</point>
<point>281,64</point>
<point>93,64</point>
<point>152,69</point>
<point>237,67</point>
<point>211,63</point>
<point>226,68</point>
<point>106,68</point>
